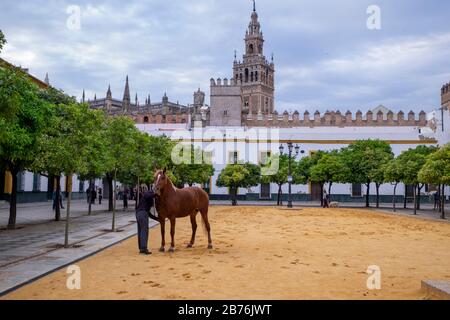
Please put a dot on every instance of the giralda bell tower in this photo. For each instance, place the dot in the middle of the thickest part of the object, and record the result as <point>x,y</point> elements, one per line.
<point>255,74</point>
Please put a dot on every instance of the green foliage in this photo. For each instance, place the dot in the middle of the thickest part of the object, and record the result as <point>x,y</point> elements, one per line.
<point>279,177</point>
<point>95,150</point>
<point>22,118</point>
<point>239,176</point>
<point>412,161</point>
<point>197,171</point>
<point>121,144</point>
<point>2,40</point>
<point>145,153</point>
<point>67,140</point>
<point>56,97</point>
<point>436,169</point>
<point>329,168</point>
<point>302,168</point>
<point>365,160</point>
<point>393,172</point>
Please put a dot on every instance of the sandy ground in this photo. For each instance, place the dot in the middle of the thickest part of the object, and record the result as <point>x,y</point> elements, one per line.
<point>268,253</point>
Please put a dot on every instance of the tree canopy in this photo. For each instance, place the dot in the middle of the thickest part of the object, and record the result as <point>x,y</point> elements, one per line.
<point>235,176</point>
<point>436,169</point>
<point>196,171</point>
<point>330,168</point>
<point>2,40</point>
<point>22,119</point>
<point>365,160</point>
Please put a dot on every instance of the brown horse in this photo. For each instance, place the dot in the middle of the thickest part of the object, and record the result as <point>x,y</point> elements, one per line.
<point>173,203</point>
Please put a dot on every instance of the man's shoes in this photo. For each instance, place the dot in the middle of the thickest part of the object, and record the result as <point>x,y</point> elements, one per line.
<point>146,252</point>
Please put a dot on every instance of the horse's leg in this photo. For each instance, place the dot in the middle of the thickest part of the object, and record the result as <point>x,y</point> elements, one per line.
<point>204,213</point>
<point>172,234</point>
<point>162,222</point>
<point>194,229</point>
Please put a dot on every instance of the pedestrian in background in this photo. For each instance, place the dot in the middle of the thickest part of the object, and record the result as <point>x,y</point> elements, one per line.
<point>100,195</point>
<point>125,199</point>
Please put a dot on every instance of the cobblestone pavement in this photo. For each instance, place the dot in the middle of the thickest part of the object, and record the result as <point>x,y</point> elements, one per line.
<point>34,248</point>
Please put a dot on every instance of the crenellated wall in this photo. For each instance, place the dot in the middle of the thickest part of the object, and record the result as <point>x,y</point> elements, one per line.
<point>335,119</point>
<point>226,103</point>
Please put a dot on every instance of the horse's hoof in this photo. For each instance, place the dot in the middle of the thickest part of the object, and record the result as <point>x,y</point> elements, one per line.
<point>210,247</point>
<point>189,246</point>
<point>172,250</point>
<point>162,250</point>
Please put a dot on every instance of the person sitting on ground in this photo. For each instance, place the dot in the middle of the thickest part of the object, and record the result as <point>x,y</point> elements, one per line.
<point>146,202</point>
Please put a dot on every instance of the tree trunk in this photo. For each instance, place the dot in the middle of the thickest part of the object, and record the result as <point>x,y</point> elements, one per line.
<point>393,198</point>
<point>443,202</point>
<point>13,201</point>
<point>69,198</point>
<point>89,196</point>
<point>279,201</point>
<point>113,229</point>
<point>378,194</point>
<point>406,196</point>
<point>419,189</point>
<point>367,195</point>
<point>111,192</point>
<point>322,203</point>
<point>415,199</point>
<point>329,190</point>
<point>58,198</point>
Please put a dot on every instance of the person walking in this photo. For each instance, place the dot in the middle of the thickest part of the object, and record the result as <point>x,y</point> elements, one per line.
<point>146,202</point>
<point>125,199</point>
<point>88,194</point>
<point>54,200</point>
<point>100,195</point>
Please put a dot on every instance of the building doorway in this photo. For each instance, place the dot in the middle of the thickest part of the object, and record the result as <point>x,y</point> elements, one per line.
<point>265,193</point>
<point>316,192</point>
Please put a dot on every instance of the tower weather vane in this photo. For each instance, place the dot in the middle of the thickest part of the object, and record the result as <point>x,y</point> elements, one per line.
<point>254,5</point>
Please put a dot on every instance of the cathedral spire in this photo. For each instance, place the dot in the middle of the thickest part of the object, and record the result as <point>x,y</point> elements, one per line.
<point>108,93</point>
<point>47,81</point>
<point>126,97</point>
<point>83,97</point>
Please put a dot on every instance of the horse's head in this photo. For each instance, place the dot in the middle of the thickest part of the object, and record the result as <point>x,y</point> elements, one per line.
<point>161,182</point>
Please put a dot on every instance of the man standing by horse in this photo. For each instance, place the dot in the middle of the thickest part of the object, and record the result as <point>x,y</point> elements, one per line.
<point>142,216</point>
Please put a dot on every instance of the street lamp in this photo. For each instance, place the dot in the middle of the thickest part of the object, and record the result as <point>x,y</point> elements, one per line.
<point>290,179</point>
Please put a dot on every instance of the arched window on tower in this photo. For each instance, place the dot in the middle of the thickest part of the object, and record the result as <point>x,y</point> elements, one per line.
<point>251,77</point>
<point>145,119</point>
<point>256,75</point>
<point>251,49</point>
<point>246,75</point>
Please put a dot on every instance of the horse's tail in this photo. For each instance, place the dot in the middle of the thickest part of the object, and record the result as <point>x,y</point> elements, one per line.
<point>205,232</point>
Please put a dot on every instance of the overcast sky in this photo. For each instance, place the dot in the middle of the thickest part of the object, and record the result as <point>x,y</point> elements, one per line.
<point>325,56</point>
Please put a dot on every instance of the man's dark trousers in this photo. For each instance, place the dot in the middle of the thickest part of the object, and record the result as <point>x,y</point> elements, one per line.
<point>142,222</point>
